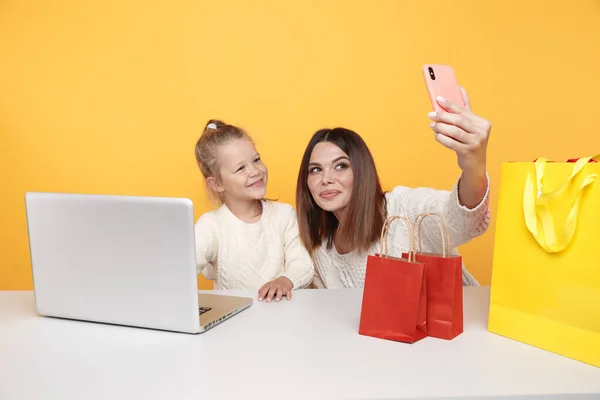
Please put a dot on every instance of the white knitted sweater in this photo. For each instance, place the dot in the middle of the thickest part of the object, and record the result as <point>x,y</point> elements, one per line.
<point>245,256</point>
<point>334,270</point>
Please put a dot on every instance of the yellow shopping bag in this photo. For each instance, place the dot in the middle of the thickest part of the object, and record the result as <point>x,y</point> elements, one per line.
<point>545,288</point>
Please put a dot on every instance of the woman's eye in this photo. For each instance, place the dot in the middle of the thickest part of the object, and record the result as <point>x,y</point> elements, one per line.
<point>341,166</point>
<point>314,170</point>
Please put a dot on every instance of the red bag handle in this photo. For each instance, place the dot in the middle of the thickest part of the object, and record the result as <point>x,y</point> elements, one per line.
<point>384,232</point>
<point>445,239</point>
<point>573,160</point>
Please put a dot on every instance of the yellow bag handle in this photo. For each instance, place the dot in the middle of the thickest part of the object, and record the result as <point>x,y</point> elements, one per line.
<point>538,217</point>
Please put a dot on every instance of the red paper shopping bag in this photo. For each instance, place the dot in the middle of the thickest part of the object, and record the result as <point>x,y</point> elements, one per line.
<point>443,274</point>
<point>393,304</point>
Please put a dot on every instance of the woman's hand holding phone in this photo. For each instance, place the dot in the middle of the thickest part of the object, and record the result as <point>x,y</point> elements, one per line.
<point>460,130</point>
<point>456,127</point>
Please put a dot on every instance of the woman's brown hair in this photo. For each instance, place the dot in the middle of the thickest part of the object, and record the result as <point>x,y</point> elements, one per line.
<point>366,210</point>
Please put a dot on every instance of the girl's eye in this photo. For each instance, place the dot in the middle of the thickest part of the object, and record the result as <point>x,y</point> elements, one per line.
<point>257,160</point>
<point>240,169</point>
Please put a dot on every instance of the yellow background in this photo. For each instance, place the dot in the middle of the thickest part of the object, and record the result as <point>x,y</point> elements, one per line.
<point>109,96</point>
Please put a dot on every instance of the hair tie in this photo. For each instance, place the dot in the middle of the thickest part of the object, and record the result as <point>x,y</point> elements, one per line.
<point>212,125</point>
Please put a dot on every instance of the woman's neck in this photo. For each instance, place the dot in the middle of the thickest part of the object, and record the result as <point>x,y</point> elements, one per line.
<point>248,211</point>
<point>340,247</point>
<point>343,244</point>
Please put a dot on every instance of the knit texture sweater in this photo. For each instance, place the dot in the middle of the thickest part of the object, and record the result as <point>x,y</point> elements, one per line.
<point>245,256</point>
<point>334,270</point>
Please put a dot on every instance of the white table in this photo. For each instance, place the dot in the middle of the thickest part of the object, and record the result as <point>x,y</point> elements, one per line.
<point>306,348</point>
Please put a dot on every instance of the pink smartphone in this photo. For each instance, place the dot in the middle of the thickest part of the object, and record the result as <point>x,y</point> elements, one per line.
<point>441,81</point>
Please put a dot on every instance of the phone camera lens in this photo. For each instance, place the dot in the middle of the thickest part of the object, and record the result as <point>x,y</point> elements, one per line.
<point>431,74</point>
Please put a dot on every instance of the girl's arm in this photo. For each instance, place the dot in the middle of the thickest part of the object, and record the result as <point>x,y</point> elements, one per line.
<point>298,266</point>
<point>207,245</point>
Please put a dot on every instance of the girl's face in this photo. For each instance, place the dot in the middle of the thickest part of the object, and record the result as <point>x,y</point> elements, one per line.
<point>330,177</point>
<point>242,175</point>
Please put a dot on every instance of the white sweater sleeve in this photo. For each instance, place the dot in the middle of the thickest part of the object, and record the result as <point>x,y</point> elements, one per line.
<point>298,266</point>
<point>464,224</point>
<point>207,245</point>
<point>318,282</point>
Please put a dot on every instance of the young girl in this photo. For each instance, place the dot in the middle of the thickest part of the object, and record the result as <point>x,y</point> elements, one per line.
<point>248,242</point>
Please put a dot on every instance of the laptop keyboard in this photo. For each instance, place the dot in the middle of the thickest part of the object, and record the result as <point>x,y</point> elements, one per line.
<point>204,309</point>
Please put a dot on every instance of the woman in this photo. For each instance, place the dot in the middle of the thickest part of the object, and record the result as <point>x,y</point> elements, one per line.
<point>341,207</point>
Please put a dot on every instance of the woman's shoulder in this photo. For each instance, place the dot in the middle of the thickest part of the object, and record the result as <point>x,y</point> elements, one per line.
<point>401,196</point>
<point>400,192</point>
<point>323,254</point>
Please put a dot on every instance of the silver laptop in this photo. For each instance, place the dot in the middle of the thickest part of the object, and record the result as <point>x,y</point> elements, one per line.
<point>124,260</point>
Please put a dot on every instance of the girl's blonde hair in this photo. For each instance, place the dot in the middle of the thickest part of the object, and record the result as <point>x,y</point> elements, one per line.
<point>216,134</point>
